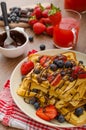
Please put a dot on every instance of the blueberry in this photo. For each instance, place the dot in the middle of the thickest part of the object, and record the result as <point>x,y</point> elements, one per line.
<point>31,39</point>
<point>13,14</point>
<point>13,18</point>
<point>60,64</point>
<point>36,71</point>
<point>32,100</point>
<point>60,118</point>
<point>55,61</point>
<point>79,111</point>
<point>17,19</point>
<point>53,67</point>
<point>36,105</point>
<point>16,11</point>
<point>42,47</point>
<point>68,64</point>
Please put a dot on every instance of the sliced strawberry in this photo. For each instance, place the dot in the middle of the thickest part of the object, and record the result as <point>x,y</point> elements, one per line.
<point>26,67</point>
<point>31,52</point>
<point>43,60</point>
<point>47,113</point>
<point>50,78</point>
<point>56,80</point>
<point>82,75</point>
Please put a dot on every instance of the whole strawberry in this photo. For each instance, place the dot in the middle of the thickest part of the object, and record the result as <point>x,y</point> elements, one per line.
<point>39,28</point>
<point>26,67</point>
<point>55,15</point>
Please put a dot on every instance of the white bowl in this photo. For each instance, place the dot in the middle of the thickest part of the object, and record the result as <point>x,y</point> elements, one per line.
<point>16,51</point>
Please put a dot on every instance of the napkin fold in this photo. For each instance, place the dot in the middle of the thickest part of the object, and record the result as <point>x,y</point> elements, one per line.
<point>11,115</point>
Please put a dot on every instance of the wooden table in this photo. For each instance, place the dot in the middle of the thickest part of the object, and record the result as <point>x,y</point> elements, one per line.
<point>7,65</point>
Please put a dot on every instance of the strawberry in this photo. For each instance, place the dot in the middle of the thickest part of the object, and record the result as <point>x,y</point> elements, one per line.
<point>82,75</point>
<point>26,67</point>
<point>55,15</point>
<point>31,52</point>
<point>45,13</point>
<point>43,60</point>
<point>56,80</point>
<point>32,20</point>
<point>39,28</point>
<point>49,30</point>
<point>38,11</point>
<point>45,21</point>
<point>47,113</point>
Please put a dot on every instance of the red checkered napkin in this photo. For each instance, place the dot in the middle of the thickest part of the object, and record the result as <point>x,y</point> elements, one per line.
<point>11,115</point>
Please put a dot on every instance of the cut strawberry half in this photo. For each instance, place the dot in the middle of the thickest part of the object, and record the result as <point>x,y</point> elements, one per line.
<point>47,113</point>
<point>56,80</point>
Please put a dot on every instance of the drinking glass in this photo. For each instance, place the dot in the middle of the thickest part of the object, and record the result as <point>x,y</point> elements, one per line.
<point>65,35</point>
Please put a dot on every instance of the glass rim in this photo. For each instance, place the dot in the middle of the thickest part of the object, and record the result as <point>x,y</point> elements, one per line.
<point>71,10</point>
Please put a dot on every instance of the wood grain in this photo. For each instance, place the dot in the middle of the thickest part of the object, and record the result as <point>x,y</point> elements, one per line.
<point>7,65</point>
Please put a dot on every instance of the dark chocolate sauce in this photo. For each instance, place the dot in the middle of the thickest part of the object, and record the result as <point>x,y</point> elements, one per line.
<point>19,39</point>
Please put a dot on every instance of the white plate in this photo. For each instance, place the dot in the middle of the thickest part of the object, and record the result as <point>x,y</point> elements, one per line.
<point>27,108</point>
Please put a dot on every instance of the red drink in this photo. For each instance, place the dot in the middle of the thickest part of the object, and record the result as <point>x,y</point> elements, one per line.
<point>66,34</point>
<point>78,5</point>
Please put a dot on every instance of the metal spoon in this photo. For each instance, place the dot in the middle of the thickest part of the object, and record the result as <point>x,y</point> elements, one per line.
<point>8,40</point>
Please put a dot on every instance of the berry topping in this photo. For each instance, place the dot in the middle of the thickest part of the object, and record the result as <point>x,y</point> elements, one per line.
<point>42,47</point>
<point>68,64</point>
<point>79,111</point>
<point>32,100</point>
<point>36,105</point>
<point>53,67</point>
<point>60,63</point>
<point>60,118</point>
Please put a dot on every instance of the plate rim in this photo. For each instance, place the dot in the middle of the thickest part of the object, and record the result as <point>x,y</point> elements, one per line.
<point>25,59</point>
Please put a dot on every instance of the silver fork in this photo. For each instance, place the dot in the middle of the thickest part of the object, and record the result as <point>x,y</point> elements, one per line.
<point>8,40</point>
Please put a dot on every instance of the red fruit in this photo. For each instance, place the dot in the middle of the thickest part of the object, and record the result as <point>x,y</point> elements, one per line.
<point>39,28</point>
<point>38,11</point>
<point>26,67</point>
<point>76,69</point>
<point>31,52</point>
<point>43,60</point>
<point>45,21</point>
<point>55,15</point>
<point>82,75</point>
<point>56,80</point>
<point>32,21</point>
<point>45,13</point>
<point>49,30</point>
<point>47,113</point>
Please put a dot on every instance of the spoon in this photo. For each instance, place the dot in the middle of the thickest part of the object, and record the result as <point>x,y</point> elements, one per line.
<point>8,40</point>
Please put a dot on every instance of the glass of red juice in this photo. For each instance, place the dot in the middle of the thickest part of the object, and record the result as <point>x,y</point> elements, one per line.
<point>78,5</point>
<point>65,34</point>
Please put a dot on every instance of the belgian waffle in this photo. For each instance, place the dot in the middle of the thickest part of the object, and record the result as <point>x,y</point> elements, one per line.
<point>67,95</point>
